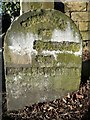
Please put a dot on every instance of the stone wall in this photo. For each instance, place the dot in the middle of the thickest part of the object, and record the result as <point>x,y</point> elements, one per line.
<point>79,12</point>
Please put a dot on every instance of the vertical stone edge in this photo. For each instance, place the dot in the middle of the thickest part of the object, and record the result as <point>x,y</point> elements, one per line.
<point>0,79</point>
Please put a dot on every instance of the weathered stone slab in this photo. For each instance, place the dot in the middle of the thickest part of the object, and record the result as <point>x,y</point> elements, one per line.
<point>42,53</point>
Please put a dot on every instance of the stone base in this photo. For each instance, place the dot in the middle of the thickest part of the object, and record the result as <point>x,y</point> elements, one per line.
<point>32,85</point>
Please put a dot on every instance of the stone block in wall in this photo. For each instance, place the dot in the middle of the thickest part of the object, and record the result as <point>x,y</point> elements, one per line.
<point>80,16</point>
<point>26,6</point>
<point>75,6</point>
<point>43,56</point>
<point>84,26</point>
<point>88,6</point>
<point>85,35</point>
<point>88,25</point>
<point>48,5</point>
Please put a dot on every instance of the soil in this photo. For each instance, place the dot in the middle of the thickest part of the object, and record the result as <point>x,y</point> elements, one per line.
<point>73,106</point>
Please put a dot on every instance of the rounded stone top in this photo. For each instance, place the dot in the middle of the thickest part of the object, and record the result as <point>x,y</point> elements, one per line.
<point>39,25</point>
<point>44,23</point>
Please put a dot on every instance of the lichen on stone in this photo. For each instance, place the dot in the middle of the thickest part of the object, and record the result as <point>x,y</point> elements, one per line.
<point>42,23</point>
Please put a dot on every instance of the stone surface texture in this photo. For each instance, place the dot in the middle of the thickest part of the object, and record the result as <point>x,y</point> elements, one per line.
<point>42,53</point>
<point>80,16</point>
<point>85,35</point>
<point>26,6</point>
<point>75,6</point>
<point>84,26</point>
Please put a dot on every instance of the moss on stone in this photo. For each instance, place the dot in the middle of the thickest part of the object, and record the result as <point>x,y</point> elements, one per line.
<point>67,46</point>
<point>7,55</point>
<point>62,76</point>
<point>50,74</point>
<point>70,59</point>
<point>42,23</point>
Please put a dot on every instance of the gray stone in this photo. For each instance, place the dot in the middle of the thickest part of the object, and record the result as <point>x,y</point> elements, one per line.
<point>42,53</point>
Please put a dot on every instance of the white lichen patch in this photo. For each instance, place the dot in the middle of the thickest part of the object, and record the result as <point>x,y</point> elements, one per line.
<point>54,53</point>
<point>0,50</point>
<point>67,35</point>
<point>22,44</point>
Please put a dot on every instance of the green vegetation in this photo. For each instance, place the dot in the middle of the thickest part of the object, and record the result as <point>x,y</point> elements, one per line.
<point>11,8</point>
